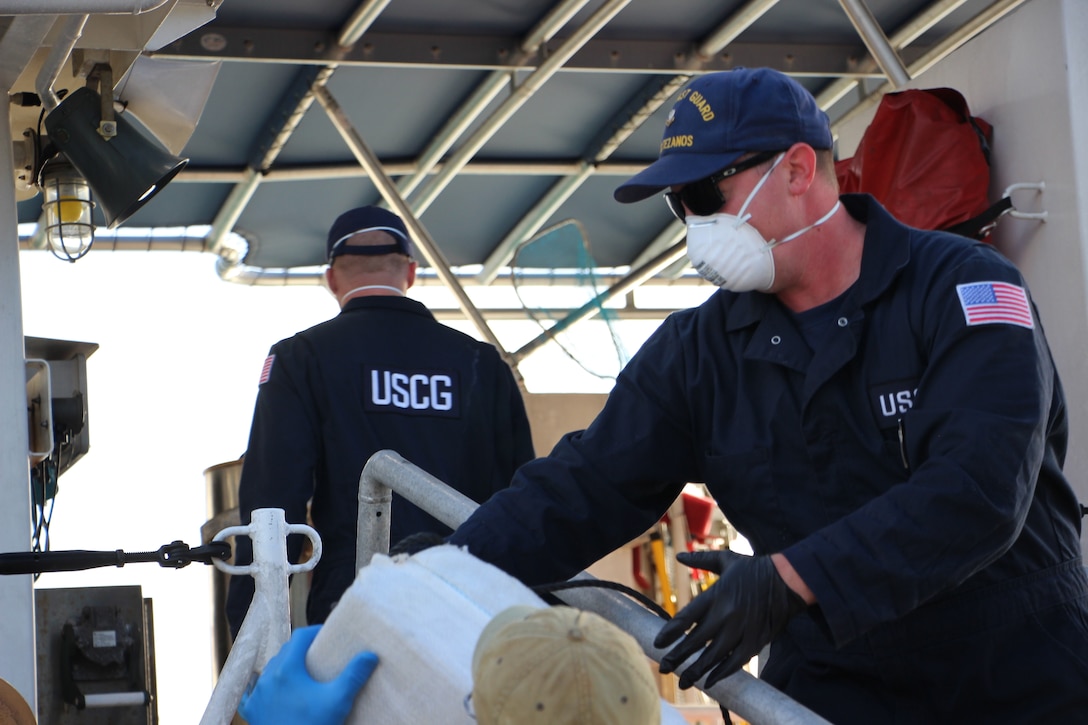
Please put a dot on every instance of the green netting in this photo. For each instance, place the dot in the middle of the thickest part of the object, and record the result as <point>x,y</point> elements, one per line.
<point>563,273</point>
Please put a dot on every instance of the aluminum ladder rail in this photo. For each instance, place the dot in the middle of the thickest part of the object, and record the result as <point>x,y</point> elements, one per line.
<point>387,471</point>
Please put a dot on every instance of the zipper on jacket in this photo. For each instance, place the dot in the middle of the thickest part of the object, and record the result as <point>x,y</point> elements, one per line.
<point>903,444</point>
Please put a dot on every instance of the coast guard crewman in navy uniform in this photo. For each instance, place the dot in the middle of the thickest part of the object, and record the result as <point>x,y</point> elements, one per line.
<point>381,374</point>
<point>874,407</point>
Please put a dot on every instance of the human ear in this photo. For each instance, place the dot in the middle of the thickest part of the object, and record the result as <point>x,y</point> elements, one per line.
<point>800,163</point>
<point>332,283</point>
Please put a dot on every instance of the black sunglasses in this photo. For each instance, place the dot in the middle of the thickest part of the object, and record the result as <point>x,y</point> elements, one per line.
<point>704,197</point>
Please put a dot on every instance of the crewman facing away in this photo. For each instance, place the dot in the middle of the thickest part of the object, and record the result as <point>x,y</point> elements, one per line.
<point>383,374</point>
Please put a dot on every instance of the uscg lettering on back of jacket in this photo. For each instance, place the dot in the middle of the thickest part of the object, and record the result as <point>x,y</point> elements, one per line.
<point>412,392</point>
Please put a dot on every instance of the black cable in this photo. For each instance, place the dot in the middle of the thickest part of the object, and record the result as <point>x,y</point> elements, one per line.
<point>175,556</point>
<point>42,476</point>
<point>602,584</point>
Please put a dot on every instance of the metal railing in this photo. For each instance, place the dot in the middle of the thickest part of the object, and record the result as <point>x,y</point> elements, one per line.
<point>386,471</point>
<point>267,623</point>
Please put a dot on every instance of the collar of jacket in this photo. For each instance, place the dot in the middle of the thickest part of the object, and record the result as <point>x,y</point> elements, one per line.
<point>886,253</point>
<point>387,302</point>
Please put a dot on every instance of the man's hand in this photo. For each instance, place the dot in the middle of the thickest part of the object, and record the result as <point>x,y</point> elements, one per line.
<point>286,693</point>
<point>733,619</point>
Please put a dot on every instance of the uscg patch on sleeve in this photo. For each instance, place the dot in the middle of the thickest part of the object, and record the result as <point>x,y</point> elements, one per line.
<point>995,303</point>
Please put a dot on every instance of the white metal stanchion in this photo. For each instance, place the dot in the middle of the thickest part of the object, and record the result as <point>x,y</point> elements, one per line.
<point>267,624</point>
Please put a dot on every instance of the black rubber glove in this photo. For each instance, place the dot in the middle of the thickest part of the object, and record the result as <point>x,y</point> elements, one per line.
<point>733,619</point>
<point>417,542</point>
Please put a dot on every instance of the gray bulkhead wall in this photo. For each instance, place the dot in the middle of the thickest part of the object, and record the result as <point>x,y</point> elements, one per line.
<point>1028,76</point>
<point>17,649</point>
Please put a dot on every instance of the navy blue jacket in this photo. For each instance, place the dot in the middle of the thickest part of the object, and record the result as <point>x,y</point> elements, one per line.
<point>383,374</point>
<point>909,459</point>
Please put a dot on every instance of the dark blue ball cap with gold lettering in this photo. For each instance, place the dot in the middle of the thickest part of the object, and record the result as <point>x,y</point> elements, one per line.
<point>719,117</point>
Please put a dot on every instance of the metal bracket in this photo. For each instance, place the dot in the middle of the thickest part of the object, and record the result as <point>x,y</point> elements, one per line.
<point>1037,186</point>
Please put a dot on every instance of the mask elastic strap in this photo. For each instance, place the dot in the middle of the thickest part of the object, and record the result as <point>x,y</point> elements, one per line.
<point>762,181</point>
<point>370,286</point>
<point>813,225</point>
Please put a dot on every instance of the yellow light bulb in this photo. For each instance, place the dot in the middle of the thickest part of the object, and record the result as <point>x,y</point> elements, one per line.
<point>69,210</point>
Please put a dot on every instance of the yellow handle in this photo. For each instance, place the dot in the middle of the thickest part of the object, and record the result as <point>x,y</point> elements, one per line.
<point>657,550</point>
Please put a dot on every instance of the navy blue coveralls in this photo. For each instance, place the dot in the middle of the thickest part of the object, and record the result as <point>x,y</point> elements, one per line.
<point>909,468</point>
<point>383,374</point>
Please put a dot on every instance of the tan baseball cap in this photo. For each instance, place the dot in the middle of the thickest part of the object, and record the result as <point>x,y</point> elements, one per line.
<point>13,708</point>
<point>560,666</point>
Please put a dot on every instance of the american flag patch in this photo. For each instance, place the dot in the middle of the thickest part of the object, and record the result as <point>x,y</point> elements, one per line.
<point>989,303</point>
<point>266,370</point>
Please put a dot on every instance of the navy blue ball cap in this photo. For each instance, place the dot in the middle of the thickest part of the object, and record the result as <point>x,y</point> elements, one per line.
<point>367,219</point>
<point>719,117</point>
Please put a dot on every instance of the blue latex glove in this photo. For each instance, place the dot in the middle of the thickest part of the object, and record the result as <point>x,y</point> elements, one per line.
<point>285,693</point>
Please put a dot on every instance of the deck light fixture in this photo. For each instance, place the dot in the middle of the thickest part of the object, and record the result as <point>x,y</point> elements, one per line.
<point>124,168</point>
<point>67,206</point>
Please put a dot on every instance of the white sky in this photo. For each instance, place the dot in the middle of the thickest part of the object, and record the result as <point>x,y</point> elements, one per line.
<point>170,394</point>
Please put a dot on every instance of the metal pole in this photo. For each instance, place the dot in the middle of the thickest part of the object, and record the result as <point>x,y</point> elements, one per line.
<point>372,534</point>
<point>520,95</point>
<point>752,699</point>
<point>77,7</point>
<point>386,470</point>
<point>593,307</point>
<point>876,41</point>
<point>69,35</point>
<point>18,658</point>
<point>369,161</point>
<point>936,54</point>
<point>741,693</point>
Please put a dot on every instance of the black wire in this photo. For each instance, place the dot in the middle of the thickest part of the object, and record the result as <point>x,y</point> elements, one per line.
<point>40,484</point>
<point>602,584</point>
<point>42,515</point>
<point>38,143</point>
<point>49,519</point>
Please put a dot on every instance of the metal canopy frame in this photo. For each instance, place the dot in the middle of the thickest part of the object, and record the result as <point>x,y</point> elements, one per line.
<point>571,37</point>
<point>487,119</point>
<point>847,71</point>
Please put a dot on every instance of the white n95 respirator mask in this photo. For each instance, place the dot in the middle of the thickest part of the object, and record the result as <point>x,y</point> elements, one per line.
<point>730,253</point>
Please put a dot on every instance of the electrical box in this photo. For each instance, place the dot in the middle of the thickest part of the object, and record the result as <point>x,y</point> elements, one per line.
<point>57,372</point>
<point>39,411</point>
<point>96,657</point>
